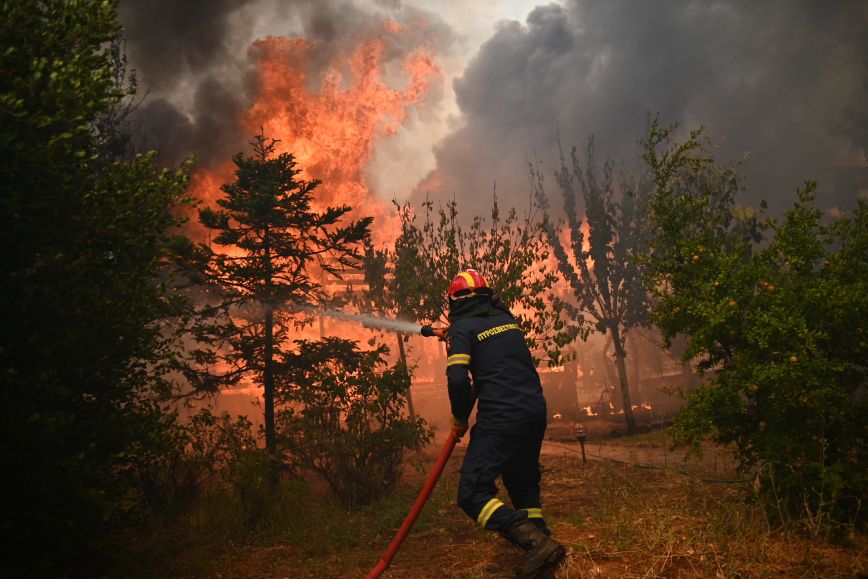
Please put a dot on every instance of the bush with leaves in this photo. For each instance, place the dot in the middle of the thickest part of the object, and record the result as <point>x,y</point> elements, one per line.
<point>341,415</point>
<point>780,326</point>
<point>85,240</point>
<point>191,458</point>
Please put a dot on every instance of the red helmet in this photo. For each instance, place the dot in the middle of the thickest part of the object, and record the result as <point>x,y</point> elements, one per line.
<point>466,284</point>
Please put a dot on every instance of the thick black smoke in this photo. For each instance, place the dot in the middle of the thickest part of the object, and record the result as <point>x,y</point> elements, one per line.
<point>784,81</point>
<point>182,53</point>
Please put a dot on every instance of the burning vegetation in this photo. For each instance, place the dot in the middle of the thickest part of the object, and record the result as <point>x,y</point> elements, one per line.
<point>121,316</point>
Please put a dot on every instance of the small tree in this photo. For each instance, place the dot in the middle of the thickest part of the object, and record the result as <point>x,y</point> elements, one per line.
<point>510,252</point>
<point>603,276</point>
<point>272,239</point>
<point>780,325</point>
<point>382,297</point>
<point>341,415</point>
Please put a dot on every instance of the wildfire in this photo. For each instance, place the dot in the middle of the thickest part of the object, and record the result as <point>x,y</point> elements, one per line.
<point>331,128</point>
<point>332,132</point>
<point>589,411</point>
<point>330,123</point>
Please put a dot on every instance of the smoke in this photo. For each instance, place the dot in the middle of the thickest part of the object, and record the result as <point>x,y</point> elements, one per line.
<point>784,81</point>
<point>196,68</point>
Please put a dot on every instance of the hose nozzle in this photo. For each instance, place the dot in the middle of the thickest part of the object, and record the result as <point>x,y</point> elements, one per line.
<point>432,332</point>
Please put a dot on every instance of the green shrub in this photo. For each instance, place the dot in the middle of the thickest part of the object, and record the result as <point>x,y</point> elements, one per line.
<point>779,326</point>
<point>342,416</point>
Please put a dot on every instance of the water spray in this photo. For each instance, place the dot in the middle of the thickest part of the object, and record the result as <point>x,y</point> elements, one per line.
<point>370,321</point>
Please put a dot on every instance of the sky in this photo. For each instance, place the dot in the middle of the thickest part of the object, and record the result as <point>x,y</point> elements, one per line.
<point>781,81</point>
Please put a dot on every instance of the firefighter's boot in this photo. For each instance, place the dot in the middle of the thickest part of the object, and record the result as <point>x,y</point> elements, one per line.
<point>543,553</point>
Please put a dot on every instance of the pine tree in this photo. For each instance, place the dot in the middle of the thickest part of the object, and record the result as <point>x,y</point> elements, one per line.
<point>273,243</point>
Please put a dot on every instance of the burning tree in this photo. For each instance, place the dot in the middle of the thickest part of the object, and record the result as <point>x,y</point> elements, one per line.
<point>272,237</point>
<point>598,262</point>
<point>781,325</point>
<point>510,252</point>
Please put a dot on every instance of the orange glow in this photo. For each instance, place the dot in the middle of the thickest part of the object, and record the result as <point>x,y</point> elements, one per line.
<point>331,128</point>
<point>330,124</point>
<point>332,131</point>
<point>589,411</point>
<point>565,237</point>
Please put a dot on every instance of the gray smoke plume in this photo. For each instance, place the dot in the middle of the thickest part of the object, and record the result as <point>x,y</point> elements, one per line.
<point>192,60</point>
<point>782,80</point>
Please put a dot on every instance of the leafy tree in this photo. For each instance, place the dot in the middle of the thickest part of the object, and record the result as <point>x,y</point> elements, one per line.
<point>780,325</point>
<point>83,285</point>
<point>604,279</point>
<point>341,416</point>
<point>383,296</point>
<point>510,252</point>
<point>272,240</point>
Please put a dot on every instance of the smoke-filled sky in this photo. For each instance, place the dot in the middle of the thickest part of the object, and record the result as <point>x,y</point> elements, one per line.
<point>782,80</point>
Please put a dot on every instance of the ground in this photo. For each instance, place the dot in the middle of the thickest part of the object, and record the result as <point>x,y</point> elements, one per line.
<point>633,510</point>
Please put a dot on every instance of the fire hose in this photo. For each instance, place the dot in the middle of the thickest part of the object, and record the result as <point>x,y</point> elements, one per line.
<point>430,483</point>
<point>402,533</point>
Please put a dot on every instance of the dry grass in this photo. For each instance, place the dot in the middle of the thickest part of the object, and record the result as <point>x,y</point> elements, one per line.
<point>616,521</point>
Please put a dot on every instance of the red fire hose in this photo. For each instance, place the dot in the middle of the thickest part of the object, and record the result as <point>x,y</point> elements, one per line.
<point>402,533</point>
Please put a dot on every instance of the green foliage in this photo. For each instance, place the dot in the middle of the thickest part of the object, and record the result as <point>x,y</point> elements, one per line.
<point>781,327</point>
<point>605,283</point>
<point>83,283</point>
<point>275,243</point>
<point>509,252</point>
<point>342,416</point>
<point>192,457</point>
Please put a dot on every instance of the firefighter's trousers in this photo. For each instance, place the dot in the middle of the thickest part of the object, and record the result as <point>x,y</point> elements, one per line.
<point>511,452</point>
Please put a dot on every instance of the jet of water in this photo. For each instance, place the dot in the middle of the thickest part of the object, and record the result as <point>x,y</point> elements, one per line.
<point>367,320</point>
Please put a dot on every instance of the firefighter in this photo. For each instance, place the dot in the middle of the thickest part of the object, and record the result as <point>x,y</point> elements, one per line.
<point>485,342</point>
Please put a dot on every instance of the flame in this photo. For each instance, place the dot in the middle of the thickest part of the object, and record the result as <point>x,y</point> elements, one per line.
<point>330,124</point>
<point>332,132</point>
<point>589,411</point>
<point>332,128</point>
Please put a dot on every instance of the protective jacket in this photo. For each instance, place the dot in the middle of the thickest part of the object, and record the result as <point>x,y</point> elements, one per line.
<point>485,339</point>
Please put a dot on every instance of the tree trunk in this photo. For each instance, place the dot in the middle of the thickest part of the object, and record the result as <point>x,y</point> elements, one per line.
<point>620,355</point>
<point>268,361</point>
<point>268,382</point>
<point>636,368</point>
<point>611,372</point>
<point>403,355</point>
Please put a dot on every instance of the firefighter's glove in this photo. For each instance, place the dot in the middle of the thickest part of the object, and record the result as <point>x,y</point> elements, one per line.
<point>459,427</point>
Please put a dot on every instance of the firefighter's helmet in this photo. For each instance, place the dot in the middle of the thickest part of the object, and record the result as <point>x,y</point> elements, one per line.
<point>467,283</point>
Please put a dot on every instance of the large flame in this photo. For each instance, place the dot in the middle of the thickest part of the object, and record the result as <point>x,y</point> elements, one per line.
<point>332,128</point>
<point>330,123</point>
